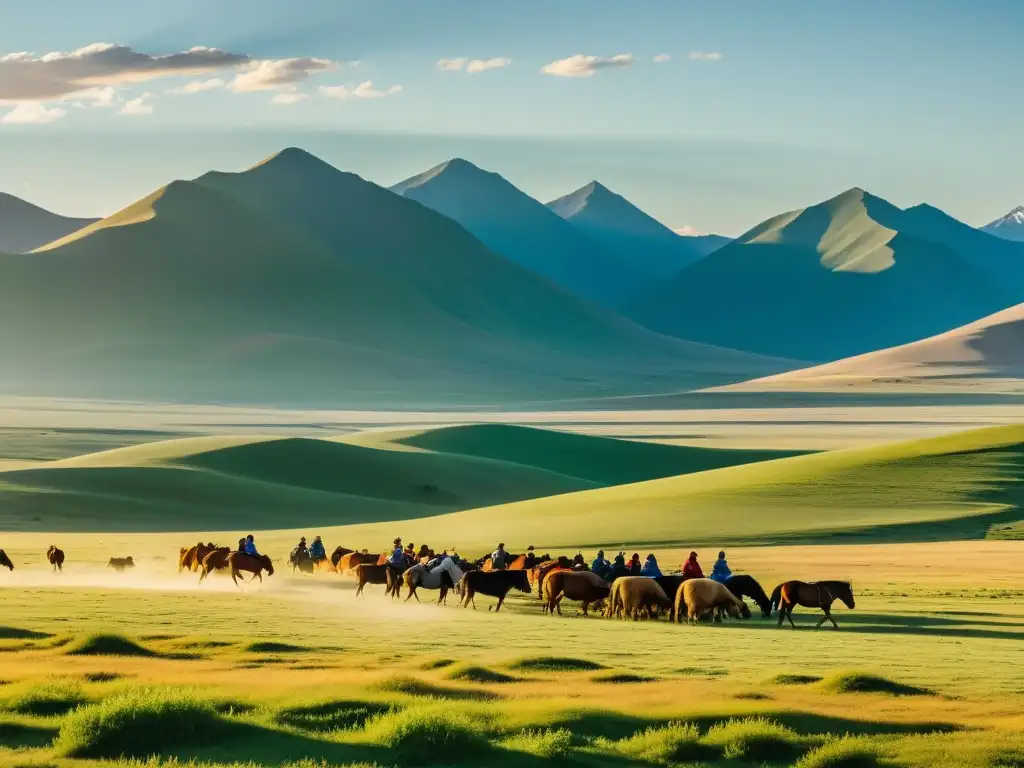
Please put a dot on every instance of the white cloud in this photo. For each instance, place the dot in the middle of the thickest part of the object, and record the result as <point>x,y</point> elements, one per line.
<point>272,74</point>
<point>288,97</point>
<point>364,90</point>
<point>32,113</point>
<point>661,58</point>
<point>452,65</point>
<point>688,231</point>
<point>98,97</point>
<point>138,107</point>
<point>705,56</point>
<point>198,86</point>
<point>581,65</point>
<point>54,76</point>
<point>472,66</point>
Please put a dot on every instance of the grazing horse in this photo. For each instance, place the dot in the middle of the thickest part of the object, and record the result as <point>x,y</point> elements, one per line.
<point>215,560</point>
<point>254,564</point>
<point>120,563</point>
<point>814,594</point>
<point>747,586</point>
<point>671,585</point>
<point>300,559</point>
<point>5,561</point>
<point>55,557</point>
<point>443,577</point>
<point>584,586</point>
<point>350,560</point>
<point>493,583</point>
<point>548,566</point>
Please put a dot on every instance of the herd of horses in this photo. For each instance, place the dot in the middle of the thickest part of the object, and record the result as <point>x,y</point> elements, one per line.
<point>555,579</point>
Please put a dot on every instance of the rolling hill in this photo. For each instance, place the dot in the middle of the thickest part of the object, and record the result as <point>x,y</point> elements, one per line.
<point>636,238</point>
<point>515,225</point>
<point>1008,227</point>
<point>295,283</point>
<point>986,355</point>
<point>217,483</point>
<point>960,486</point>
<point>25,227</point>
<point>847,276</point>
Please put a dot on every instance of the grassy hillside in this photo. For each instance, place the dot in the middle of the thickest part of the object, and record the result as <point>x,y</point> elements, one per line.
<point>295,283</point>
<point>602,460</point>
<point>850,275</point>
<point>215,483</point>
<point>951,487</point>
<point>25,227</point>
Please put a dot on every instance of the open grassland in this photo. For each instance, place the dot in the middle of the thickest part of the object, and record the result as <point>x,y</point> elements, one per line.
<point>100,668</point>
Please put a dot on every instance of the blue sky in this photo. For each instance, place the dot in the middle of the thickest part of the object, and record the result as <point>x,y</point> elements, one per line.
<point>800,100</point>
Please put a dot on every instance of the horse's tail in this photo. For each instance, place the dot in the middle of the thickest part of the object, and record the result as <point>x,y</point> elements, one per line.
<point>776,597</point>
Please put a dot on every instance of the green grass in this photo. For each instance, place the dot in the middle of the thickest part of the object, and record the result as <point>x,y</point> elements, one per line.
<point>860,682</point>
<point>950,487</point>
<point>754,740</point>
<point>549,744</point>
<point>842,752</point>
<point>555,664</point>
<point>138,723</point>
<point>430,734</point>
<point>794,678</point>
<point>57,697</point>
<point>671,743</point>
<point>622,677</point>
<point>270,646</point>
<point>332,715</point>
<point>477,674</point>
<point>411,686</point>
<point>105,644</point>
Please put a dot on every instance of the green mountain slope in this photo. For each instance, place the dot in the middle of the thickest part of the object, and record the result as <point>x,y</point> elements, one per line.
<point>850,275</point>
<point>217,483</point>
<point>25,227</point>
<point>294,283</point>
<point>954,487</point>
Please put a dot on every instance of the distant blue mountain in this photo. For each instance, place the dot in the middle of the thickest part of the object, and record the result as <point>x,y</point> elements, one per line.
<point>1009,227</point>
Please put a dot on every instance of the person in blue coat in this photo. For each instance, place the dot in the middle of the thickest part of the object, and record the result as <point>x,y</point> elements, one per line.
<point>721,571</point>
<point>651,568</point>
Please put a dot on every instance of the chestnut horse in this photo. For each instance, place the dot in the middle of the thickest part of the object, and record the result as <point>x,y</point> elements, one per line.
<point>192,557</point>
<point>815,594</point>
<point>5,561</point>
<point>254,564</point>
<point>55,557</point>
<point>215,560</point>
<point>350,560</point>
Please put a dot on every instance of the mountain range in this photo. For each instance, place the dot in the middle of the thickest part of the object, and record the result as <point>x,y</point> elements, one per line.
<point>1009,227</point>
<point>293,282</point>
<point>847,276</point>
<point>25,227</point>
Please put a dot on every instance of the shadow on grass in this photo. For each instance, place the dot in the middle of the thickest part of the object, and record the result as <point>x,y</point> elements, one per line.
<point>15,633</point>
<point>23,736</point>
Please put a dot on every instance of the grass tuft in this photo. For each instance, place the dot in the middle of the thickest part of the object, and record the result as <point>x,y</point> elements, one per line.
<point>331,715</point>
<point>671,743</point>
<point>102,644</point>
<point>475,674</point>
<point>411,686</point>
<point>792,678</point>
<point>555,664</point>
<point>437,664</point>
<point>101,677</point>
<point>842,752</point>
<point>859,682</point>
<point>755,740</point>
<point>429,734</point>
<point>622,677</point>
<point>269,646</point>
<point>546,744</point>
<point>139,723</point>
<point>57,697</point>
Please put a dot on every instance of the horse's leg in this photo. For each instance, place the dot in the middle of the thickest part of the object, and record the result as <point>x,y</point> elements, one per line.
<point>558,604</point>
<point>234,577</point>
<point>789,615</point>
<point>782,612</point>
<point>500,601</point>
<point>828,615</point>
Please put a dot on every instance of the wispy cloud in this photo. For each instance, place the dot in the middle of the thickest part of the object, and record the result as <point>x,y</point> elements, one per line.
<point>473,66</point>
<point>688,231</point>
<point>198,86</point>
<point>661,58</point>
<point>52,76</point>
<point>705,56</point>
<point>364,90</point>
<point>138,107</point>
<point>33,113</point>
<point>288,97</point>
<point>273,74</point>
<point>581,65</point>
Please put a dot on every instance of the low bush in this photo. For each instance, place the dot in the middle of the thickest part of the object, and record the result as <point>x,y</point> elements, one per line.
<point>480,675</point>
<point>754,740</point>
<point>331,715</point>
<point>555,664</point>
<point>672,743</point>
<point>546,744</point>
<point>859,682</point>
<point>844,752</point>
<point>430,733</point>
<point>102,644</point>
<point>56,697</point>
<point>790,678</point>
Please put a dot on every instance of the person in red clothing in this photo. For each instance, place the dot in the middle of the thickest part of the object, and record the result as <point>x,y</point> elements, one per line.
<point>691,568</point>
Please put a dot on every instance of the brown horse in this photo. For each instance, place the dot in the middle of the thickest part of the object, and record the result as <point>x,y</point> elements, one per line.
<point>336,555</point>
<point>120,563</point>
<point>55,557</point>
<point>215,560</point>
<point>815,594</point>
<point>254,564</point>
<point>192,557</point>
<point>5,561</point>
<point>350,560</point>
<point>367,573</point>
<point>539,573</point>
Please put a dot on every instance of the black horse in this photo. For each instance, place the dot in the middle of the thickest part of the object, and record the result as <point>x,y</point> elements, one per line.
<point>747,586</point>
<point>493,583</point>
<point>300,559</point>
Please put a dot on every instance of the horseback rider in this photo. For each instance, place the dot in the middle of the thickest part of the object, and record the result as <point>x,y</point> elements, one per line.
<point>317,551</point>
<point>241,545</point>
<point>579,561</point>
<point>397,557</point>
<point>531,557</point>
<point>601,566</point>
<point>499,558</point>
<point>721,572</point>
<point>301,549</point>
<point>691,568</point>
<point>250,546</point>
<point>651,568</point>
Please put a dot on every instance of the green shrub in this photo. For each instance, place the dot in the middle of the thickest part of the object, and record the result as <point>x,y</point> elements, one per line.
<point>755,740</point>
<point>844,752</point>
<point>426,733</point>
<point>331,715</point>
<point>555,664</point>
<point>56,697</point>
<point>138,723</point>
<point>672,743</point>
<point>410,686</point>
<point>101,644</point>
<point>859,682</point>
<point>267,646</point>
<point>547,744</point>
<point>622,677</point>
<point>790,678</point>
<point>480,675</point>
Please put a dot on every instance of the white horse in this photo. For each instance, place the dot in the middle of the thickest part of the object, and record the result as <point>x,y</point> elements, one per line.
<point>419,576</point>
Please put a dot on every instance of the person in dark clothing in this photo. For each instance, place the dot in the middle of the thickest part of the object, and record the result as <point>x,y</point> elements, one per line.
<point>635,566</point>
<point>579,561</point>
